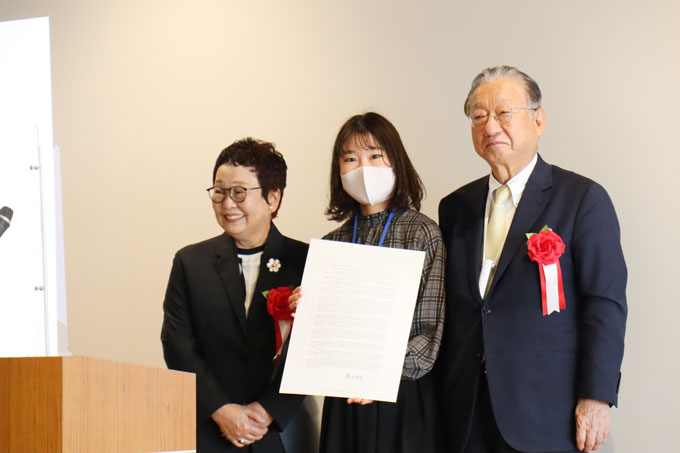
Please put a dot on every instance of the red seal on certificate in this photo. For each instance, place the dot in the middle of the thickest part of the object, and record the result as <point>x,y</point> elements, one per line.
<point>545,248</point>
<point>279,308</point>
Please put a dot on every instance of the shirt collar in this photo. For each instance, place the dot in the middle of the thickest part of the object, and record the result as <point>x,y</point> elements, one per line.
<point>517,183</point>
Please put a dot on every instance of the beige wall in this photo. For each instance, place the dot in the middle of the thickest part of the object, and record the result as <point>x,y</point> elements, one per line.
<point>146,93</point>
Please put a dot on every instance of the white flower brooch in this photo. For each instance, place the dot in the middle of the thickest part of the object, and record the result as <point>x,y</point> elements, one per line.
<point>273,265</point>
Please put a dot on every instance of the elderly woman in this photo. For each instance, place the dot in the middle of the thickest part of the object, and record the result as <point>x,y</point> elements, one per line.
<point>376,191</point>
<point>216,323</point>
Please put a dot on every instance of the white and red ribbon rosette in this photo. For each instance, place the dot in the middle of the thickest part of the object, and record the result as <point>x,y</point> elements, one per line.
<point>545,248</point>
<point>279,308</point>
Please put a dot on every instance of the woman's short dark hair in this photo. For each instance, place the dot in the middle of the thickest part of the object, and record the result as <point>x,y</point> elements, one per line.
<point>408,188</point>
<point>270,167</point>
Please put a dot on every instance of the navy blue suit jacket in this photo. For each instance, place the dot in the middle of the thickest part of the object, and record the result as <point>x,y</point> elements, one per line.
<point>537,366</point>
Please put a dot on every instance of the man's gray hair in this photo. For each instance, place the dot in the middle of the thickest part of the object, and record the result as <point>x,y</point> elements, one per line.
<point>497,72</point>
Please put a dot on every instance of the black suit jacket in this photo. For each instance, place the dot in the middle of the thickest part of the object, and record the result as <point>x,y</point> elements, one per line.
<point>537,366</point>
<point>205,331</point>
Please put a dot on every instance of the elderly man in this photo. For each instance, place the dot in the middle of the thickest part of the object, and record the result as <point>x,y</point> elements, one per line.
<point>536,304</point>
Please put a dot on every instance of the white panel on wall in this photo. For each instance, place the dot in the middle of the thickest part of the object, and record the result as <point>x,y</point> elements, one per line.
<point>31,250</point>
<point>22,302</point>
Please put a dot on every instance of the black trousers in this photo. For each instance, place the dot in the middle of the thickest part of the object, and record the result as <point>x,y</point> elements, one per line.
<point>485,436</point>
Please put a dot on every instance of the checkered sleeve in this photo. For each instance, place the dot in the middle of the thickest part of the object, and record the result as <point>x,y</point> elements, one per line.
<point>428,317</point>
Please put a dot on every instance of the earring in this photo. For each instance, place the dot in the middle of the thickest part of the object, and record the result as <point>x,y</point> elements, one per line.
<point>271,207</point>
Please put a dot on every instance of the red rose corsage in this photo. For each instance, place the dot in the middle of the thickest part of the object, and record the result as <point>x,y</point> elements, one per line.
<point>545,248</point>
<point>279,308</point>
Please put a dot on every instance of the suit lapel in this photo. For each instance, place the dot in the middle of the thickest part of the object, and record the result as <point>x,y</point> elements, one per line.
<point>475,236</point>
<point>226,265</point>
<point>534,200</point>
<point>266,279</point>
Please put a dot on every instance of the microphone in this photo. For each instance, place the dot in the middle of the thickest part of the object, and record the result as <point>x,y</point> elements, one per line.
<point>5,218</point>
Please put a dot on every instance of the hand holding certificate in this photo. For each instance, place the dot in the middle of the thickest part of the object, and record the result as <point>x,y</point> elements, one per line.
<point>352,327</point>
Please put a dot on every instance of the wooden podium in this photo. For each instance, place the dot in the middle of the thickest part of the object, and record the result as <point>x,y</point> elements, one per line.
<point>86,405</point>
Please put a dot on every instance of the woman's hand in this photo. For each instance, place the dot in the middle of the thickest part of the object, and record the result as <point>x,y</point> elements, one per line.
<point>240,425</point>
<point>361,401</point>
<point>294,299</point>
<point>259,414</point>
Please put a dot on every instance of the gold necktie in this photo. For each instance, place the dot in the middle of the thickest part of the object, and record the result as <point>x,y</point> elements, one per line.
<point>497,228</point>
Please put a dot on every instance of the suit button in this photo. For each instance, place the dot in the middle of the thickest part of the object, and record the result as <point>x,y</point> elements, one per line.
<point>486,310</point>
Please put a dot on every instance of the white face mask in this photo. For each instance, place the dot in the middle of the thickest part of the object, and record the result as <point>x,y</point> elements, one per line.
<point>369,185</point>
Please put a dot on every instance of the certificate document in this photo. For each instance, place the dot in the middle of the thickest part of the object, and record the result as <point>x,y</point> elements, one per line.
<point>353,322</point>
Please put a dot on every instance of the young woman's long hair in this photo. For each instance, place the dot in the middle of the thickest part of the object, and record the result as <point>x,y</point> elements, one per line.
<point>368,129</point>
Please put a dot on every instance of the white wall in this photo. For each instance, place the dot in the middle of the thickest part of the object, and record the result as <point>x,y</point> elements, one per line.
<point>146,93</point>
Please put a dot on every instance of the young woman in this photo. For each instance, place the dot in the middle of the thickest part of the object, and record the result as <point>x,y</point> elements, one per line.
<point>377,192</point>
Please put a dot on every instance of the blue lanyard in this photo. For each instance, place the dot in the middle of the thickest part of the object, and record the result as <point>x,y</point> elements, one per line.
<point>384,233</point>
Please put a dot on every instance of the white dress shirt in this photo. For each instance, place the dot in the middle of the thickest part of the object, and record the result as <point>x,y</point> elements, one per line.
<point>250,268</point>
<point>516,185</point>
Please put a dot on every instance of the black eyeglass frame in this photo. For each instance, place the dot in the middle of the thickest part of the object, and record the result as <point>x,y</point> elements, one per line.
<point>238,194</point>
